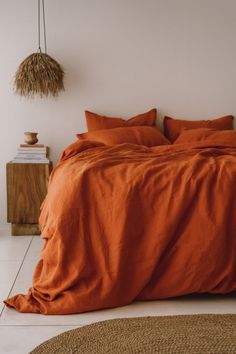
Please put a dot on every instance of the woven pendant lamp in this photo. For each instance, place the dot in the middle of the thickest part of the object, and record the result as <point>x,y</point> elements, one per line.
<point>39,74</point>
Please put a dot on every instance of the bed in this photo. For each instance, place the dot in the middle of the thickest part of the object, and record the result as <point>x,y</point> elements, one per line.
<point>128,222</point>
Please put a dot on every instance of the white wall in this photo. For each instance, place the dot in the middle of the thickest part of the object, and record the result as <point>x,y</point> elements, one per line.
<point>121,57</point>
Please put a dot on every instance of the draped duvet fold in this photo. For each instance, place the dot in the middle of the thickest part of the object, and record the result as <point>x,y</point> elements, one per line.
<point>128,222</point>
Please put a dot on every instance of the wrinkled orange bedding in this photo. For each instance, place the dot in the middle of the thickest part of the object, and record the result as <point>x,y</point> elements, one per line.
<point>129,222</point>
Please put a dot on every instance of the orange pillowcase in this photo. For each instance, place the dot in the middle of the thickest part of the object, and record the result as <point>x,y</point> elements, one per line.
<point>173,127</point>
<point>97,122</point>
<point>148,136</point>
<point>203,134</point>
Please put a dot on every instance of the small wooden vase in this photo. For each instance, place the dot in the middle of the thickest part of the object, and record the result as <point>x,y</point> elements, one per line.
<point>31,138</point>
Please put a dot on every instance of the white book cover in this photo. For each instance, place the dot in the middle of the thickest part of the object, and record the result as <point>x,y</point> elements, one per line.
<point>37,156</point>
<point>30,158</point>
<point>35,151</point>
<point>30,161</point>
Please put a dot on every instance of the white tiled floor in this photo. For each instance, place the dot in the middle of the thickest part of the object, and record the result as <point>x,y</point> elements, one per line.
<point>19,333</point>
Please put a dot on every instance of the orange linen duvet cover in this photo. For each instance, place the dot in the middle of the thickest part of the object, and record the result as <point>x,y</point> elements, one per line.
<point>129,222</point>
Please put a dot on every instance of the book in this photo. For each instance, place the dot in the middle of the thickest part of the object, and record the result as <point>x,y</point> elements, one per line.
<point>25,156</point>
<point>30,161</point>
<point>32,157</point>
<point>26,153</point>
<point>29,151</point>
<point>32,151</point>
<point>32,146</point>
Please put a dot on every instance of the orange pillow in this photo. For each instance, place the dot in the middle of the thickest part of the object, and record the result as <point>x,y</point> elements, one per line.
<point>205,134</point>
<point>148,136</point>
<point>97,122</point>
<point>173,127</point>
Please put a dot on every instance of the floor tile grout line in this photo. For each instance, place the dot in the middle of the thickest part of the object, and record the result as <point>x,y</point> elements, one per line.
<point>17,273</point>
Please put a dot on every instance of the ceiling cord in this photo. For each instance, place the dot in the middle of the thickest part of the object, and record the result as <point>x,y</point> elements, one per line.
<point>39,27</point>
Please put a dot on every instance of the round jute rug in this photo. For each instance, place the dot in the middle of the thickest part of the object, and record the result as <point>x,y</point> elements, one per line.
<point>198,334</point>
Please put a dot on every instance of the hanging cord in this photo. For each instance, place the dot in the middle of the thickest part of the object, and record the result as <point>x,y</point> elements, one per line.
<point>44,29</point>
<point>39,27</point>
<point>39,39</point>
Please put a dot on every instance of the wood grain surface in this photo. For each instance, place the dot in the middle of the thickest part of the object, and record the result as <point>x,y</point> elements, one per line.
<point>25,229</point>
<point>26,190</point>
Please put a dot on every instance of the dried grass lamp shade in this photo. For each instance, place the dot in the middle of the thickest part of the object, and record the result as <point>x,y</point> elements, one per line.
<point>39,74</point>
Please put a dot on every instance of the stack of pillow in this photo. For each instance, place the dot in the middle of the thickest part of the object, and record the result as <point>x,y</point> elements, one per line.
<point>142,129</point>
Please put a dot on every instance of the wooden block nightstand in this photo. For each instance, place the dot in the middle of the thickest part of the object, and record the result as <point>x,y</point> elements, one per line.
<point>26,189</point>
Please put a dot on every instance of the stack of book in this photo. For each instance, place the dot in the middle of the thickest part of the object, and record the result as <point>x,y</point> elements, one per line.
<point>36,153</point>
